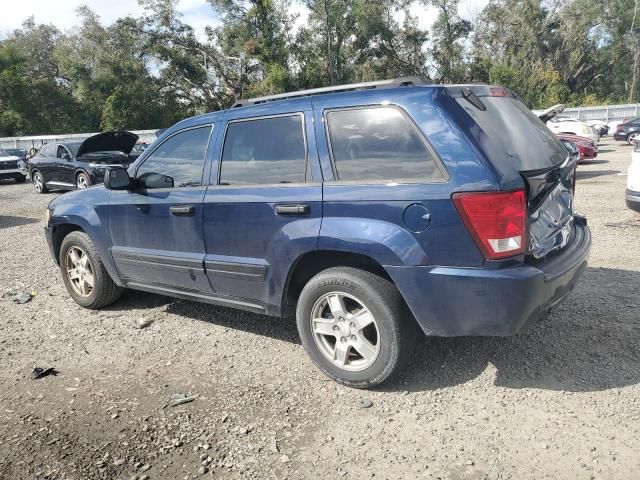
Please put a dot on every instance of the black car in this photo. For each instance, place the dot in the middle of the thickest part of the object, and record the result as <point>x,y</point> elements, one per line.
<point>628,131</point>
<point>77,165</point>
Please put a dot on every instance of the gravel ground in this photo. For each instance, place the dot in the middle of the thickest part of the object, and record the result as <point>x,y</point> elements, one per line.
<point>560,400</point>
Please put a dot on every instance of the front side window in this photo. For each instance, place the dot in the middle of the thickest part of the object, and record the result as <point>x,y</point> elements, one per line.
<point>264,151</point>
<point>62,152</point>
<point>178,162</point>
<point>378,144</point>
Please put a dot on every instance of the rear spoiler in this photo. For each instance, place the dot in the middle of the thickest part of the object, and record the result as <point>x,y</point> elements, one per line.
<point>474,93</point>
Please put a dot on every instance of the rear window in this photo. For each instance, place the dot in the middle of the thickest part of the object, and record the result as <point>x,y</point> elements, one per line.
<point>378,144</point>
<point>514,135</point>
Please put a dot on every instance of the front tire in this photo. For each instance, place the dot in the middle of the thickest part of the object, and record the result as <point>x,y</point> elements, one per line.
<point>355,326</point>
<point>84,274</point>
<point>82,181</point>
<point>37,180</point>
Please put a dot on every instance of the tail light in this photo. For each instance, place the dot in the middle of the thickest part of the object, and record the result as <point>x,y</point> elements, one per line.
<point>497,221</point>
<point>619,127</point>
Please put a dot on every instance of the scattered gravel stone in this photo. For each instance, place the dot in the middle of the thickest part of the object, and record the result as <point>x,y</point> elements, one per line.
<point>140,323</point>
<point>23,297</point>
<point>364,403</point>
<point>285,459</point>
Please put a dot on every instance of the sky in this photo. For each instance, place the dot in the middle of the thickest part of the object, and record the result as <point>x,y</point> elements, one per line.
<point>196,13</point>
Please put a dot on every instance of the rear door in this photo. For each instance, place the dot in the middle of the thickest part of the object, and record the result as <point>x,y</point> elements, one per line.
<point>385,183</point>
<point>156,228</point>
<point>264,206</point>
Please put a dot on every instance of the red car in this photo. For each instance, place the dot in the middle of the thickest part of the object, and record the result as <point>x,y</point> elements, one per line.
<point>588,149</point>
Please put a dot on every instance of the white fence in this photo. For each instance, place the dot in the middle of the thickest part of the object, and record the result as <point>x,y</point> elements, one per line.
<point>146,136</point>
<point>609,113</point>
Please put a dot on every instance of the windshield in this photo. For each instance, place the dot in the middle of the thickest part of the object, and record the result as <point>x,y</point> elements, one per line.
<point>73,147</point>
<point>514,135</point>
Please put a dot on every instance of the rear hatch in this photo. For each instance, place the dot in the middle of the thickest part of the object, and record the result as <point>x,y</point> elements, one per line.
<point>516,141</point>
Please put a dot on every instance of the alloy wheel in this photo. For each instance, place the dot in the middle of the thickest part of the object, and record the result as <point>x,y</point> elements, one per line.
<point>37,182</point>
<point>345,331</point>
<point>82,182</point>
<point>79,271</point>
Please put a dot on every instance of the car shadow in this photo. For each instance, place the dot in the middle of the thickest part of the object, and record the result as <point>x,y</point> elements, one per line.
<point>586,175</point>
<point>589,343</point>
<point>8,221</point>
<point>594,161</point>
<point>263,325</point>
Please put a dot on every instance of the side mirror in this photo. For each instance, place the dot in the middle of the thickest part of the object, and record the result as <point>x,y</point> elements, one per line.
<point>116,178</point>
<point>153,180</point>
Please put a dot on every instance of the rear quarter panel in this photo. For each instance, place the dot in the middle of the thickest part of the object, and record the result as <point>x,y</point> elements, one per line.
<point>367,217</point>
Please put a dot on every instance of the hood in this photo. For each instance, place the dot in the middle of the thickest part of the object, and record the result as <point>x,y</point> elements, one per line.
<point>9,158</point>
<point>549,113</point>
<point>108,141</point>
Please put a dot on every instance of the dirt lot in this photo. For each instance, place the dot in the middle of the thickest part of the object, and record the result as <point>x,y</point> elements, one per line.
<point>561,400</point>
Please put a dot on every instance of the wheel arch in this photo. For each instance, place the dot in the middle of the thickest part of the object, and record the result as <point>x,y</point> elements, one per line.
<point>58,235</point>
<point>311,263</point>
<point>78,172</point>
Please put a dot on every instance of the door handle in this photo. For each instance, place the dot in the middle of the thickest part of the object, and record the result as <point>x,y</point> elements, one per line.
<point>186,211</point>
<point>297,209</point>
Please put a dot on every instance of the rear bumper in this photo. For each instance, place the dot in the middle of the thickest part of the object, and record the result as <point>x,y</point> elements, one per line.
<point>633,200</point>
<point>620,136</point>
<point>470,301</point>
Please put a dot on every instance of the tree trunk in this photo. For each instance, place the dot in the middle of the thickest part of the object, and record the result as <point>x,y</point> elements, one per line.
<point>636,58</point>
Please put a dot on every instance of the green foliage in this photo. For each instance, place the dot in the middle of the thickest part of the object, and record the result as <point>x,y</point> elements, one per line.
<point>151,71</point>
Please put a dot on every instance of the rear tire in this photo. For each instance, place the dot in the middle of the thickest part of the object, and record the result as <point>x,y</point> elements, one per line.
<point>355,326</point>
<point>84,274</point>
<point>37,180</point>
<point>632,136</point>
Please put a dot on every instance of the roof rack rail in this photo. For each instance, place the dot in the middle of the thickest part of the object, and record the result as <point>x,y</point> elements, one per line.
<point>396,82</point>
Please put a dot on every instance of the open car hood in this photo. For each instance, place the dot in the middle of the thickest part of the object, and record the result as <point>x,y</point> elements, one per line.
<point>108,142</point>
<point>549,113</point>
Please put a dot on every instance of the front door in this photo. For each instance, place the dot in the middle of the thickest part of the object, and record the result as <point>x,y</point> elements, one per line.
<point>264,207</point>
<point>157,226</point>
<point>66,166</point>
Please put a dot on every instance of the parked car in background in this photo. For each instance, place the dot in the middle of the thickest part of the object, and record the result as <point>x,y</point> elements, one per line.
<point>572,126</point>
<point>17,152</point>
<point>628,131</point>
<point>633,179</point>
<point>586,148</point>
<point>138,148</point>
<point>602,127</point>
<point>566,125</point>
<point>368,210</point>
<point>78,165</point>
<point>12,166</point>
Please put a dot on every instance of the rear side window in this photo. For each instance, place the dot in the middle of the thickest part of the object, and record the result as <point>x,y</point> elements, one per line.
<point>180,157</point>
<point>380,143</point>
<point>264,151</point>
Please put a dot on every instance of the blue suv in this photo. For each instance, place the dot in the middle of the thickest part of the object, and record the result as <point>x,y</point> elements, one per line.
<point>366,210</point>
